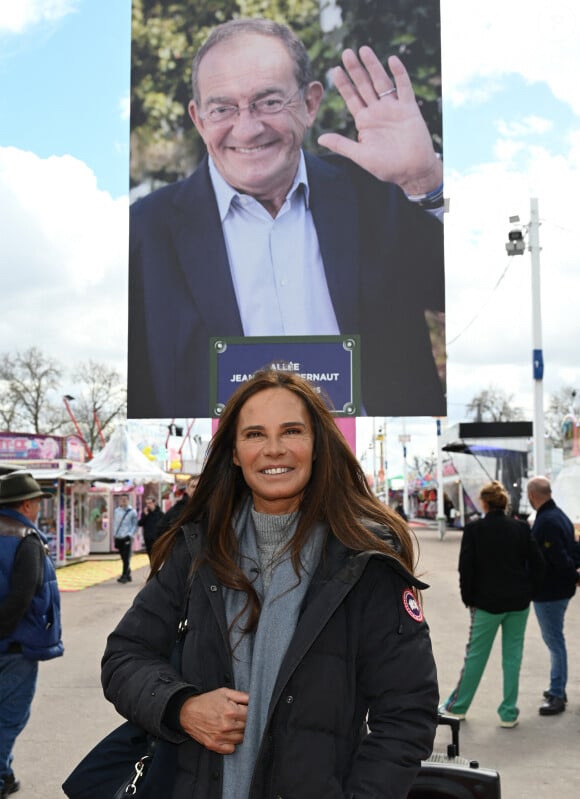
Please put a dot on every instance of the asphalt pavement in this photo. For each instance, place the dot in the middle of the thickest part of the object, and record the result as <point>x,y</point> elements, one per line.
<point>536,760</point>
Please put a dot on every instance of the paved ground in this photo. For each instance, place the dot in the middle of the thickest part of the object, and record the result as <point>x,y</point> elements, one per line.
<point>95,570</point>
<point>536,760</point>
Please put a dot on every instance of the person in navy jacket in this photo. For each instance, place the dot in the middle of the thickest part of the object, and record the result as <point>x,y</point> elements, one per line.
<point>30,627</point>
<point>554,532</point>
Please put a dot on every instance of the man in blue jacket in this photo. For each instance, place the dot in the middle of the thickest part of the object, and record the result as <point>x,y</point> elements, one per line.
<point>30,627</point>
<point>554,533</point>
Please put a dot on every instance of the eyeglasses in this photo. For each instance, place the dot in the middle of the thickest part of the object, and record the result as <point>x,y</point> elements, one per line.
<point>265,107</point>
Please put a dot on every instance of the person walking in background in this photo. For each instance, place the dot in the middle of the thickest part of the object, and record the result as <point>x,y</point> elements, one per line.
<point>500,568</point>
<point>176,510</point>
<point>125,524</point>
<point>554,533</point>
<point>149,519</point>
<point>30,627</point>
<point>304,623</point>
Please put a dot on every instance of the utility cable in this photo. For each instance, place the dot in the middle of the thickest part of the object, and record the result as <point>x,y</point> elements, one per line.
<point>485,304</point>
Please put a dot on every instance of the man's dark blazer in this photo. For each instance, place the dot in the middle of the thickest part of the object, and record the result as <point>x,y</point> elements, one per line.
<point>383,258</point>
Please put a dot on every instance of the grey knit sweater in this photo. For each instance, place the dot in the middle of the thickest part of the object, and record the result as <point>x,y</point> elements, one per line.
<point>271,538</point>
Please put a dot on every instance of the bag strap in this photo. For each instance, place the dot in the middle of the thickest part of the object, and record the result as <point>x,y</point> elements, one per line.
<point>121,522</point>
<point>191,533</point>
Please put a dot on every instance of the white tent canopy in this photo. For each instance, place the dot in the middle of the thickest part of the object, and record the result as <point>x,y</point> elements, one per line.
<point>566,490</point>
<point>121,459</point>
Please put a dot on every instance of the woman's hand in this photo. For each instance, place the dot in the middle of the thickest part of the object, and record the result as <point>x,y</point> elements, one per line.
<point>216,719</point>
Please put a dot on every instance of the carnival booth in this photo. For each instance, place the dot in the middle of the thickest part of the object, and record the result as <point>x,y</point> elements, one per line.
<point>566,487</point>
<point>120,468</point>
<point>566,491</point>
<point>55,462</point>
<point>484,451</point>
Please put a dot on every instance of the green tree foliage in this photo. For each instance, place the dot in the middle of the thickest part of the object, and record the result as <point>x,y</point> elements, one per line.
<point>165,35</point>
<point>410,30</point>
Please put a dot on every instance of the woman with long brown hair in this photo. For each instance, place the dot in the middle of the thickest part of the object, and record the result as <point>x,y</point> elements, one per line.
<point>304,625</point>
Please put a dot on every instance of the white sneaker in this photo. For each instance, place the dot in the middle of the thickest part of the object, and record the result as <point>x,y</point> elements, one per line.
<point>509,725</point>
<point>444,712</point>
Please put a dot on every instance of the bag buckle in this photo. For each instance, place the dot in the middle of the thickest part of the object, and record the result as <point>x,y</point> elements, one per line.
<point>140,765</point>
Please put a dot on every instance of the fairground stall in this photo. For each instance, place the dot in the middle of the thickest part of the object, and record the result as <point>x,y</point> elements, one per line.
<point>566,486</point>
<point>120,468</point>
<point>55,462</point>
<point>76,518</point>
<point>484,451</point>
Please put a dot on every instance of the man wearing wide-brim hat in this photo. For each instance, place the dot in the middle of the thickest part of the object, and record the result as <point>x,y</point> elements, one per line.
<point>30,628</point>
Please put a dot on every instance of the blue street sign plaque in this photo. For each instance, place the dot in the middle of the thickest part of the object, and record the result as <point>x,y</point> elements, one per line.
<point>330,363</point>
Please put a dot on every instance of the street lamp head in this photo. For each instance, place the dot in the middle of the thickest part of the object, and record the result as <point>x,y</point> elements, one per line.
<point>516,244</point>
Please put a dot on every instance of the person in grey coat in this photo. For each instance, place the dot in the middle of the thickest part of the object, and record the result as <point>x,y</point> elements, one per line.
<point>307,670</point>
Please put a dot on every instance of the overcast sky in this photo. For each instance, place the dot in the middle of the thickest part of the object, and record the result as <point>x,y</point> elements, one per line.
<point>511,132</point>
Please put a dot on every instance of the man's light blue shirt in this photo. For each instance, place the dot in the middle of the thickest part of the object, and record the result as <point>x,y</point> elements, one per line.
<point>275,263</point>
<point>125,521</point>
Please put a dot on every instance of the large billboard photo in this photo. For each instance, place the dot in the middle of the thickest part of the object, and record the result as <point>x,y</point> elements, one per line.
<point>288,183</point>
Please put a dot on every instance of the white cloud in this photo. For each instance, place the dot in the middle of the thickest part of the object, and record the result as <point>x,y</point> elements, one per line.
<point>125,107</point>
<point>528,126</point>
<point>483,41</point>
<point>507,149</point>
<point>64,257</point>
<point>482,44</point>
<point>496,348</point>
<point>18,15</point>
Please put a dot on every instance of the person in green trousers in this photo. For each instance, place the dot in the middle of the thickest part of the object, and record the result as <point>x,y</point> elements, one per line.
<point>500,568</point>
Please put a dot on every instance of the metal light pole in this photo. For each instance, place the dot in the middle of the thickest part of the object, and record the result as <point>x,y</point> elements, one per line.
<point>381,473</point>
<point>538,355</point>
<point>516,246</point>
<point>404,439</point>
<point>441,520</point>
<point>374,456</point>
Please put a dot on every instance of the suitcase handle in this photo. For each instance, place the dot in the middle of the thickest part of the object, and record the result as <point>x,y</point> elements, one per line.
<point>453,747</point>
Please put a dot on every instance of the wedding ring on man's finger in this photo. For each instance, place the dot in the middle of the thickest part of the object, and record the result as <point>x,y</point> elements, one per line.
<point>385,94</point>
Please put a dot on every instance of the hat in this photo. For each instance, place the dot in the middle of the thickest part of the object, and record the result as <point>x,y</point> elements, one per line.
<point>18,486</point>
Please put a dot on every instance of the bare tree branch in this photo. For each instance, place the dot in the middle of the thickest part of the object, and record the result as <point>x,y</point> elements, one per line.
<point>494,405</point>
<point>102,400</point>
<point>30,380</point>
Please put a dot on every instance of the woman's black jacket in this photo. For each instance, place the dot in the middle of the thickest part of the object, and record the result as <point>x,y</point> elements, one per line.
<point>500,564</point>
<point>361,646</point>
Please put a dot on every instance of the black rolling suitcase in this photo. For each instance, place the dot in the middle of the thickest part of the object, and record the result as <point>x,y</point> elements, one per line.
<point>445,775</point>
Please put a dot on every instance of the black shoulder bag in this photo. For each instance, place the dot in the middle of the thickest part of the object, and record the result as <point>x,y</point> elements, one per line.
<point>129,761</point>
